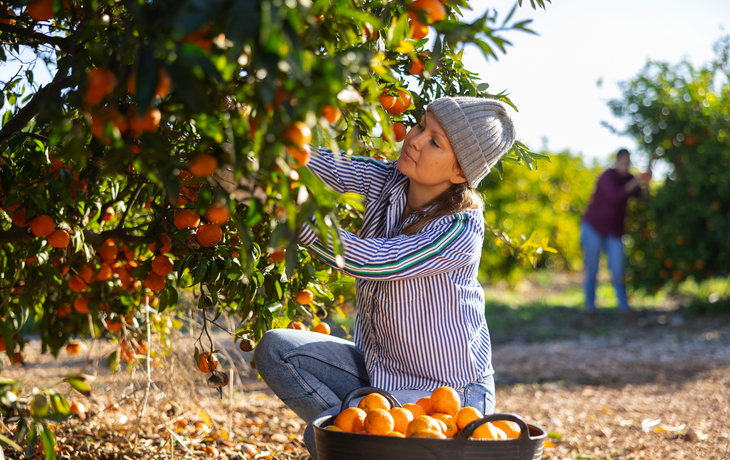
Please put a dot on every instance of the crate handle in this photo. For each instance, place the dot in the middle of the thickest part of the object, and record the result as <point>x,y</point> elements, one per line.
<point>366,391</point>
<point>524,430</point>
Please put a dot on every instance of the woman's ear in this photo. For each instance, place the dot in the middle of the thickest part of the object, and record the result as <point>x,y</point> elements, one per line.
<point>458,176</point>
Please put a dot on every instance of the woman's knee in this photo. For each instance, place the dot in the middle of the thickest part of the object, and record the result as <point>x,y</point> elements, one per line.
<point>270,349</point>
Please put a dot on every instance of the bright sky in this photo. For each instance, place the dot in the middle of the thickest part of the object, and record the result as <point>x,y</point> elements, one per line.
<point>552,78</point>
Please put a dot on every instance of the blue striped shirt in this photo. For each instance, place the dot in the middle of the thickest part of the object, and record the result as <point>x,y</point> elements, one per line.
<point>420,309</point>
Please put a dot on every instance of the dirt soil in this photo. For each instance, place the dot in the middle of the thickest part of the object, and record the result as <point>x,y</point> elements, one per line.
<point>658,391</point>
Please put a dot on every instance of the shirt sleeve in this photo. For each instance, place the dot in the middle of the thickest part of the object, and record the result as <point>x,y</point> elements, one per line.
<point>362,175</point>
<point>452,244</point>
<point>611,189</point>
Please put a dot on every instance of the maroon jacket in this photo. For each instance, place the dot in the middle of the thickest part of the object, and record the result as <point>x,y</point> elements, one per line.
<point>607,208</point>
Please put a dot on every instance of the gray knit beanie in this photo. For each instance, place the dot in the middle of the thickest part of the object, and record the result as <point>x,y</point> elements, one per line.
<point>480,132</point>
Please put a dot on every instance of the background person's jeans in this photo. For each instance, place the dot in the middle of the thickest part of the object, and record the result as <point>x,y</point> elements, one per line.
<point>311,373</point>
<point>592,243</point>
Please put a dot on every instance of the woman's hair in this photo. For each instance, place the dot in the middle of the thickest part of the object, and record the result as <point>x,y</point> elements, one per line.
<point>457,198</point>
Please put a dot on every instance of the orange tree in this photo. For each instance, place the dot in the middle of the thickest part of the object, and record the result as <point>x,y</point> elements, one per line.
<point>537,207</point>
<point>165,153</point>
<point>680,115</point>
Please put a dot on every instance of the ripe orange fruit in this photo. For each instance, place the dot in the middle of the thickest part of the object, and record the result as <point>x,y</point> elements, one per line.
<point>414,409</point>
<point>64,311</point>
<point>203,165</point>
<point>42,226</point>
<point>163,84</point>
<point>59,239</point>
<point>216,214</point>
<point>488,431</point>
<point>17,358</point>
<point>466,415</point>
<point>416,29</point>
<point>331,113</point>
<point>451,428</point>
<point>81,305</point>
<point>124,276</point>
<point>399,130</point>
<point>77,284</point>
<point>304,297</point>
<point>9,21</point>
<point>103,115</point>
<point>298,134</point>
<point>434,9</point>
<point>86,273</point>
<point>297,325</point>
<point>277,255</point>
<point>322,328</point>
<point>115,325</point>
<point>416,67</point>
<point>402,104</point>
<point>379,421</point>
<point>396,434</point>
<point>426,405</point>
<point>155,282</point>
<point>40,10</point>
<point>333,428</point>
<point>105,272</point>
<point>187,218</point>
<point>209,235</point>
<point>208,362</point>
<point>149,122</point>
<point>511,429</point>
<point>101,82</point>
<point>351,420</point>
<point>445,400</point>
<point>374,401</point>
<point>386,101</point>
<point>77,408</point>
<point>108,251</point>
<point>200,38</point>
<point>422,423</point>
<point>301,155</point>
<point>18,218</point>
<point>56,261</point>
<point>429,434</point>
<point>163,245</point>
<point>162,265</point>
<point>73,347</point>
<point>109,214</point>
<point>401,417</point>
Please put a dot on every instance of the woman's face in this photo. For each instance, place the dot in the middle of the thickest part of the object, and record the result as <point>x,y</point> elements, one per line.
<point>426,156</point>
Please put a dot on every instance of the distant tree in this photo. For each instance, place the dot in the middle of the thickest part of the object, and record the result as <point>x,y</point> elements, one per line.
<point>680,116</point>
<point>544,205</point>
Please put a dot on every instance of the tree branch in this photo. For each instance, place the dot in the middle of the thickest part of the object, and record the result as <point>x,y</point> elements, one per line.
<point>62,43</point>
<point>29,110</point>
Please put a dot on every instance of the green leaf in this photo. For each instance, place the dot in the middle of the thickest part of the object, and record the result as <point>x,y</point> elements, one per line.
<point>49,443</point>
<point>554,435</point>
<point>78,383</point>
<point>10,442</point>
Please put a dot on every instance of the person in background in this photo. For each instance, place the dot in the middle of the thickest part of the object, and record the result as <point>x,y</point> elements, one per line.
<point>602,227</point>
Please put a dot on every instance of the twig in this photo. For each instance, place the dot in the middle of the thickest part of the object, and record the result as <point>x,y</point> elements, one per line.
<point>91,347</point>
<point>180,441</point>
<point>149,374</point>
<point>158,449</point>
<point>62,43</point>
<point>129,206</point>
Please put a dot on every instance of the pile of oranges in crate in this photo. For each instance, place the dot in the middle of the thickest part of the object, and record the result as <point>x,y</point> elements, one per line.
<point>437,416</point>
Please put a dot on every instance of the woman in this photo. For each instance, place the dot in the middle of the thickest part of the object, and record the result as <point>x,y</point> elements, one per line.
<point>420,309</point>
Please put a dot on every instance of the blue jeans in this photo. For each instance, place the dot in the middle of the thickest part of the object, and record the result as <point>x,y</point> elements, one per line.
<point>591,243</point>
<point>311,373</point>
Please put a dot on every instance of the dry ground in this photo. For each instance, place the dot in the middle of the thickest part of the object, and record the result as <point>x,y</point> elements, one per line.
<point>592,394</point>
